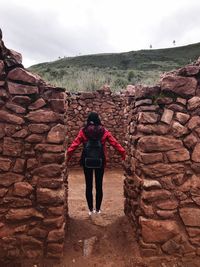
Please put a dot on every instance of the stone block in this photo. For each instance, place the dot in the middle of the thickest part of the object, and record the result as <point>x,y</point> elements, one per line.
<point>158,144</point>
<point>23,214</point>
<point>21,89</point>
<point>182,86</point>
<point>167,116</point>
<point>49,196</point>
<point>158,231</point>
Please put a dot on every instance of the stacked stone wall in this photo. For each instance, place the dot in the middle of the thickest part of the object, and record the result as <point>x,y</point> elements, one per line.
<point>110,107</point>
<point>33,188</point>
<point>162,184</point>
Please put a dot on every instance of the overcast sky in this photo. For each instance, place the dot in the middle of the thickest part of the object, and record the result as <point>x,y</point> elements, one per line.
<point>43,30</point>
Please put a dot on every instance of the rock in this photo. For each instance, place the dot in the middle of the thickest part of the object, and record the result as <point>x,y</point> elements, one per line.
<point>39,103</point>
<point>15,108</point>
<point>196,153</point>
<point>167,116</point>
<point>157,129</point>
<point>57,134</point>
<point>38,128</point>
<point>177,107</point>
<point>193,232</point>
<point>5,164</point>
<point>56,235</point>
<point>88,245</point>
<point>178,155</point>
<point>16,202</point>
<point>178,129</point>
<point>158,143</point>
<point>1,67</point>
<point>49,170</point>
<point>59,210</point>
<point>166,214</point>
<point>16,58</point>
<point>171,247</point>
<point>151,184</point>
<point>182,86</point>
<point>3,191</point>
<point>12,147</point>
<point>38,232</point>
<point>54,248</point>
<point>190,216</point>
<point>155,195</point>
<point>20,89</point>
<point>21,134</point>
<point>56,222</point>
<point>49,148</point>
<point>164,100</point>
<point>49,196</point>
<point>181,101</point>
<point>30,241</point>
<point>22,189</point>
<point>19,165</point>
<point>22,100</point>
<point>23,214</point>
<point>52,157</point>
<point>167,204</point>
<point>148,158</point>
<point>189,70</point>
<point>158,231</point>
<point>7,117</point>
<point>145,92</point>
<point>193,103</point>
<point>143,102</point>
<point>194,122</point>
<point>147,117</point>
<point>190,141</point>
<point>9,178</point>
<point>32,163</point>
<point>52,183</point>
<point>161,169</point>
<point>182,117</point>
<point>34,138</point>
<point>19,74</point>
<point>58,105</point>
<point>43,116</point>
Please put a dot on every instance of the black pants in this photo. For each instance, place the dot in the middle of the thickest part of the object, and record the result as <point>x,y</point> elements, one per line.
<point>89,186</point>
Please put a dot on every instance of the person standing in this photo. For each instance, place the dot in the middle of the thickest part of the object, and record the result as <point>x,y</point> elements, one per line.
<point>94,130</point>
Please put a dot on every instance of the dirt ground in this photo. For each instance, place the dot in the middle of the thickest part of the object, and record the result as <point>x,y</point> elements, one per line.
<point>107,239</point>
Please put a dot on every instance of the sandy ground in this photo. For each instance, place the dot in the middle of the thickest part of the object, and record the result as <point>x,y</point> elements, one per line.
<point>105,240</point>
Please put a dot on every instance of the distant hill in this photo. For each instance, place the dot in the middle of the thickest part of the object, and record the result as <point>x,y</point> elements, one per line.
<point>90,72</point>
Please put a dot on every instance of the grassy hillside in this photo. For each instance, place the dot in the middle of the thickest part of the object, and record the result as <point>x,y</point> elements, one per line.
<point>90,72</point>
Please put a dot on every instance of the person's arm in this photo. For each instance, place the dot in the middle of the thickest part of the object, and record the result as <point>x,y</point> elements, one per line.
<point>76,142</point>
<point>116,145</point>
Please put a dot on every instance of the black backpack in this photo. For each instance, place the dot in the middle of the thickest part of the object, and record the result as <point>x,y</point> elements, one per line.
<point>93,155</point>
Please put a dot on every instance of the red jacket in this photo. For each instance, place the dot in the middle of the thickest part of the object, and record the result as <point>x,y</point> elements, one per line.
<point>107,136</point>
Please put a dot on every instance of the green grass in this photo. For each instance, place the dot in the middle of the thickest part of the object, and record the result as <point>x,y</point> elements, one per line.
<point>90,72</point>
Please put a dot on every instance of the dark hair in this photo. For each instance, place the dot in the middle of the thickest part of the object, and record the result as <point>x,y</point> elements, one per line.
<point>93,118</point>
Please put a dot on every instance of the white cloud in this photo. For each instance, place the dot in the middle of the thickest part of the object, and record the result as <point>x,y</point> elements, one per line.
<point>43,30</point>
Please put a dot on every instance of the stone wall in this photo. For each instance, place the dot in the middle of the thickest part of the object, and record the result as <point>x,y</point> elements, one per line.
<point>162,184</point>
<point>33,189</point>
<point>110,107</point>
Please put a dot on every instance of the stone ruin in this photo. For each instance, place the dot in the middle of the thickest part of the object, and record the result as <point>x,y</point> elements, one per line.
<point>162,184</point>
<point>160,126</point>
<point>33,186</point>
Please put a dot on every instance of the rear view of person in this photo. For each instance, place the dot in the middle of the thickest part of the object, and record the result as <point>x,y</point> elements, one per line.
<point>93,159</point>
